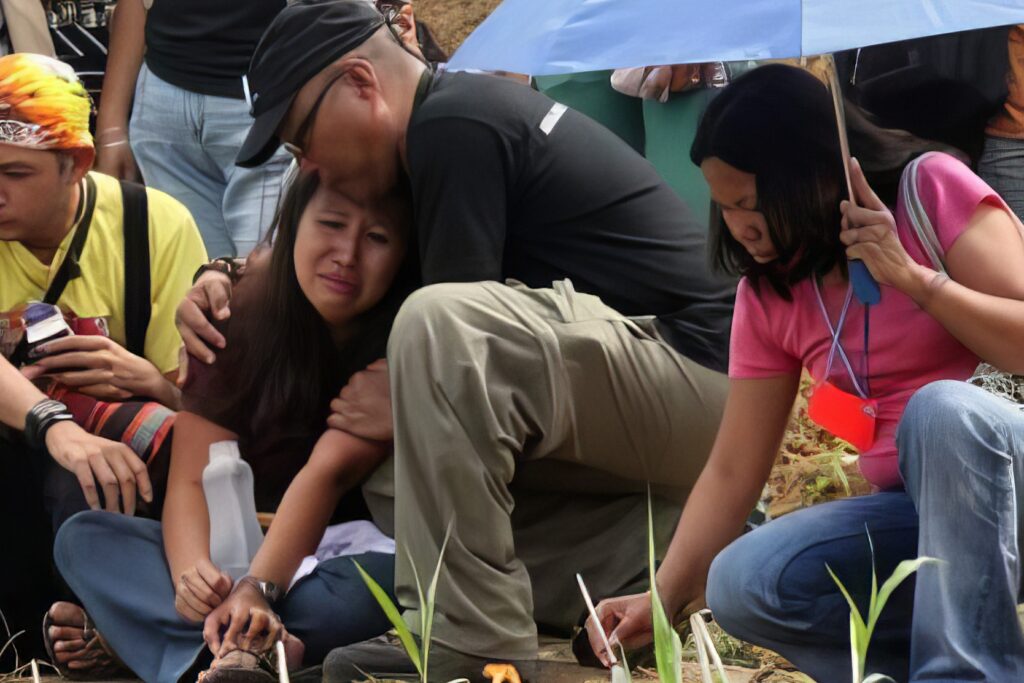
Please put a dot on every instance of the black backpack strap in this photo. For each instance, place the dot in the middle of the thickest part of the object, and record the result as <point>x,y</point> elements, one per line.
<point>69,267</point>
<point>137,286</point>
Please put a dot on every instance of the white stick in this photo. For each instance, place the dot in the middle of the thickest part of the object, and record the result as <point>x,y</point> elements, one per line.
<point>702,655</point>
<point>282,664</point>
<point>840,111</point>
<point>35,672</point>
<point>597,622</point>
<point>712,650</point>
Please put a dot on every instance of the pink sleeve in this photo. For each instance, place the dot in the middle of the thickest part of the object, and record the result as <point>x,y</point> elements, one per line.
<point>951,193</point>
<point>755,350</point>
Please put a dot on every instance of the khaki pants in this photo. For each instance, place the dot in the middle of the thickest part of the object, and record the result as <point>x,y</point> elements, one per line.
<point>534,418</point>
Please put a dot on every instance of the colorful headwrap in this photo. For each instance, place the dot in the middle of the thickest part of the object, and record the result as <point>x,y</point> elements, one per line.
<point>43,105</point>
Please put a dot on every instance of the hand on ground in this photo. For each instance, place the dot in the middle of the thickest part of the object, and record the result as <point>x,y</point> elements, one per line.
<point>209,296</point>
<point>92,459</point>
<point>201,589</point>
<point>364,406</point>
<point>100,367</point>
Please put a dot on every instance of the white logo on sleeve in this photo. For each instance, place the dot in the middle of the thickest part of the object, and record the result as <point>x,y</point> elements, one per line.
<point>552,118</point>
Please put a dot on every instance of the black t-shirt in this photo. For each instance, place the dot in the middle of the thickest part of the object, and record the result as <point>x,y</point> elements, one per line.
<point>508,185</point>
<point>204,46</point>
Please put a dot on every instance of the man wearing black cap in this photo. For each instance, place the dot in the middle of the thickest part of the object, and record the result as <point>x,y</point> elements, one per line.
<point>559,390</point>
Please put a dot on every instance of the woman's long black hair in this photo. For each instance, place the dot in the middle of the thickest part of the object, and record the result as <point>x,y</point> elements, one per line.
<point>288,368</point>
<point>778,123</point>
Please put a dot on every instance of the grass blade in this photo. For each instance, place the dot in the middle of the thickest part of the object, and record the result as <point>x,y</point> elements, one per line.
<point>668,648</point>
<point>620,671</point>
<point>903,571</point>
<point>859,637</point>
<point>394,616</point>
<point>427,608</point>
<point>700,646</point>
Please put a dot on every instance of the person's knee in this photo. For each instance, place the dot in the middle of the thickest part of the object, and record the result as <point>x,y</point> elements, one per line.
<point>736,590</point>
<point>77,537</point>
<point>428,317</point>
<point>942,417</point>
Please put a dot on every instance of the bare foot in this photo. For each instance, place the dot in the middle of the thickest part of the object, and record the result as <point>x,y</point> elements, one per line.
<point>76,646</point>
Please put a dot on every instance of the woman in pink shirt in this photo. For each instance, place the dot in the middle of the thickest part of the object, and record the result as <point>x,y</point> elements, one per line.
<point>768,147</point>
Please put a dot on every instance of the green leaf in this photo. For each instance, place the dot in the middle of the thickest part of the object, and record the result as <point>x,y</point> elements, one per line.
<point>858,630</point>
<point>620,671</point>
<point>422,600</point>
<point>393,615</point>
<point>668,648</point>
<point>427,608</point>
<point>903,571</point>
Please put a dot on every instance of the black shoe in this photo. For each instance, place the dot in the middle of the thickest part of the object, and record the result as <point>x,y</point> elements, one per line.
<point>385,658</point>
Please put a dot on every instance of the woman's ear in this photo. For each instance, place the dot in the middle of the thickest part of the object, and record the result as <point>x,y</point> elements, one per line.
<point>405,22</point>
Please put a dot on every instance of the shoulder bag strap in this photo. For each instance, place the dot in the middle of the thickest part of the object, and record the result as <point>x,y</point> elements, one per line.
<point>137,285</point>
<point>919,219</point>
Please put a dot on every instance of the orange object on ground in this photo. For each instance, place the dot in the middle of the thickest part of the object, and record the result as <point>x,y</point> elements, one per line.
<point>502,673</point>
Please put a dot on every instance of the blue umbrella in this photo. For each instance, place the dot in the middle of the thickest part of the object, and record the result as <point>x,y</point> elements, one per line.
<point>541,37</point>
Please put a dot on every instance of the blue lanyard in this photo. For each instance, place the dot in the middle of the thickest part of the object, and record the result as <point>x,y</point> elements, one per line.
<point>837,346</point>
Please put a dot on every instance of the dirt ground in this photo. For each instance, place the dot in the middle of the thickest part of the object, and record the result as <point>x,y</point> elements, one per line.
<point>452,20</point>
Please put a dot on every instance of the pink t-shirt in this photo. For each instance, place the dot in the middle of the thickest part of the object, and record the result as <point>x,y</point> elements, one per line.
<point>908,348</point>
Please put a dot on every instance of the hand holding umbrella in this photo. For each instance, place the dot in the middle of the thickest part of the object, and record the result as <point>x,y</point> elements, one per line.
<point>869,233</point>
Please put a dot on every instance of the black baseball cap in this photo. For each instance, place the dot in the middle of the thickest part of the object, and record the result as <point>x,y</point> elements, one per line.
<point>301,41</point>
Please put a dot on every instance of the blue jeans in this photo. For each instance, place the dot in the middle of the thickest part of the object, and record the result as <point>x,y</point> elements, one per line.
<point>1002,166</point>
<point>185,145</point>
<point>117,568</point>
<point>962,459</point>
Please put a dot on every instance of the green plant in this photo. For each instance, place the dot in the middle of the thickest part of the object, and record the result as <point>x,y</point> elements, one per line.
<point>668,648</point>
<point>420,657</point>
<point>861,629</point>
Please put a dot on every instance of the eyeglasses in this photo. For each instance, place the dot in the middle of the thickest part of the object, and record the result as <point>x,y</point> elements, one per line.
<point>297,149</point>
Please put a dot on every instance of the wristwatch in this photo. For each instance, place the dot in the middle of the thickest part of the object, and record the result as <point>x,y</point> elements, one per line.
<point>233,268</point>
<point>270,591</point>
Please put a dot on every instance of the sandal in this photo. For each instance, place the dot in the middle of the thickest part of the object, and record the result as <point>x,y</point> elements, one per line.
<point>240,666</point>
<point>105,664</point>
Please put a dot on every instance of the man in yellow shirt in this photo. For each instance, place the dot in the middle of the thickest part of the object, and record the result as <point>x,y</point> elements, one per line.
<point>47,199</point>
<point>64,238</point>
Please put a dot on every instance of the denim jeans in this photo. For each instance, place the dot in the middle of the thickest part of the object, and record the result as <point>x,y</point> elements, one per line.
<point>1002,166</point>
<point>962,459</point>
<point>185,145</point>
<point>117,568</point>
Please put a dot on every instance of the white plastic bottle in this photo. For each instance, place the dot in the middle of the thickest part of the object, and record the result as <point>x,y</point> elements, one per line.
<point>235,533</point>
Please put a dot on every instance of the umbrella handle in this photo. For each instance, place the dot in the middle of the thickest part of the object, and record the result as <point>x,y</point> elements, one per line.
<point>865,288</point>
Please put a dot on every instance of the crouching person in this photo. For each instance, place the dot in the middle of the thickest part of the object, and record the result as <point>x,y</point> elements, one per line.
<point>306,319</point>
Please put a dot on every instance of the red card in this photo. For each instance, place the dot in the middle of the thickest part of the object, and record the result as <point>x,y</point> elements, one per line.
<point>846,415</point>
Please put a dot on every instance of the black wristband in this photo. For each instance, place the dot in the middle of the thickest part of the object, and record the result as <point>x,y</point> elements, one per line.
<point>40,418</point>
<point>222,264</point>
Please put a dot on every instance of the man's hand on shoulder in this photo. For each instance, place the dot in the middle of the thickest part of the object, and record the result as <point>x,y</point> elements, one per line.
<point>208,299</point>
